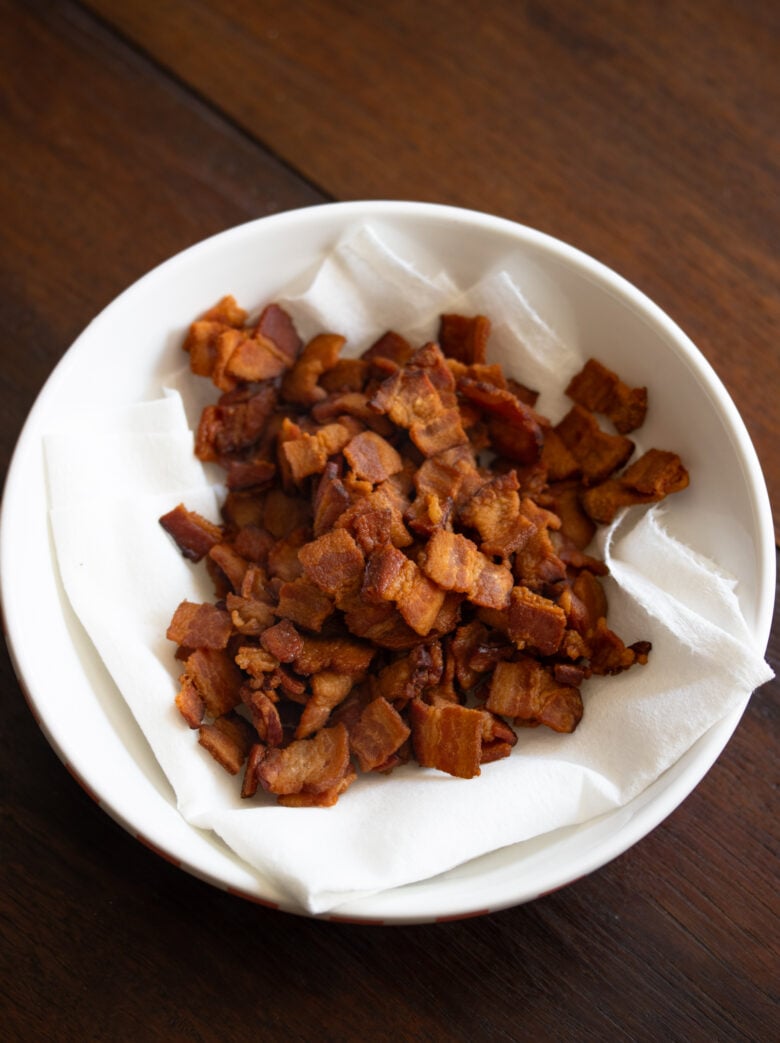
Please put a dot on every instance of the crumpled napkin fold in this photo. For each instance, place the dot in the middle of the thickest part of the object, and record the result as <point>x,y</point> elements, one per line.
<point>124,579</point>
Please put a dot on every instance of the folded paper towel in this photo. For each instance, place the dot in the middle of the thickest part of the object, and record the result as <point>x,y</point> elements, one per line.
<point>124,580</point>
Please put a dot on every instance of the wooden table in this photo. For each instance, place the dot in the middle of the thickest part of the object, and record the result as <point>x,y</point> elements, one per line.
<point>643,133</point>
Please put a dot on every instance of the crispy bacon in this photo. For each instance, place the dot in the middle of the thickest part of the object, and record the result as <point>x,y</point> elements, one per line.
<point>527,691</point>
<point>464,338</point>
<point>333,562</point>
<point>300,383</point>
<point>391,576</point>
<point>228,740</point>
<point>216,679</point>
<point>654,476</point>
<point>454,563</point>
<point>447,737</point>
<point>378,734</point>
<point>372,458</point>
<point>601,391</point>
<point>199,626</point>
<point>194,534</point>
<point>535,621</point>
<point>234,426</point>
<point>310,766</point>
<point>303,603</point>
<point>597,453</point>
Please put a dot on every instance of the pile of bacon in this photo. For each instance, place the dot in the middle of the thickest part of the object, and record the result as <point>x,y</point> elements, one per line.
<point>401,570</point>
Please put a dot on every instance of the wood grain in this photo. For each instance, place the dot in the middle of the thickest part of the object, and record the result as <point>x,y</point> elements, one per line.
<point>115,158</point>
<point>644,134</point>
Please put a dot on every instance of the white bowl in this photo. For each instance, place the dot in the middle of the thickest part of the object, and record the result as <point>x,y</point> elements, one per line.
<point>122,357</point>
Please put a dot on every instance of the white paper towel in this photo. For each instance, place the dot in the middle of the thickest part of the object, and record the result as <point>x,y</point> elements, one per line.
<point>124,579</point>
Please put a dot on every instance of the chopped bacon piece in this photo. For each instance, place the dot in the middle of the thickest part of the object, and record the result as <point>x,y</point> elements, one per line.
<point>390,346</point>
<point>651,478</point>
<point>497,738</point>
<point>253,543</point>
<point>283,641</point>
<point>283,560</point>
<point>535,621</point>
<point>337,654</point>
<point>391,576</point>
<point>439,433</point>
<point>330,500</point>
<point>378,733</point>
<point>560,462</point>
<point>307,454</point>
<point>494,511</point>
<point>464,338</point>
<point>408,397</point>
<point>324,799</point>
<point>454,563</point>
<point>536,562</point>
<point>333,562</point>
<point>514,428</point>
<point>228,740</point>
<point>303,603</point>
<point>227,311</point>
<point>194,535</point>
<point>248,474</point>
<point>597,453</point>
<point>259,354</point>
<point>307,765</point>
<point>249,616</point>
<point>563,499</point>
<point>372,458</point>
<point>283,514</point>
<point>344,376</point>
<point>328,690</point>
<point>299,384</point>
<point>264,714</point>
<point>250,783</point>
<point>216,679</point>
<point>601,391</point>
<point>608,654</point>
<point>447,737</point>
<point>406,677</point>
<point>190,704</point>
<point>232,427</point>
<point>381,624</point>
<point>230,564</point>
<point>199,626</point>
<point>257,662</point>
<point>528,692</point>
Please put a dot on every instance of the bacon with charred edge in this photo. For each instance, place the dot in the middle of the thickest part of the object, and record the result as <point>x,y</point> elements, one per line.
<point>190,704</point>
<point>303,603</point>
<point>235,424</point>
<point>528,692</point>
<point>199,626</point>
<point>215,677</point>
<point>300,383</point>
<point>654,476</point>
<point>372,458</point>
<point>391,346</point>
<point>464,338</point>
<point>391,576</point>
<point>328,690</point>
<point>193,534</point>
<point>601,391</point>
<point>333,562</point>
<point>264,714</point>
<point>309,766</point>
<point>228,740</point>
<point>514,427</point>
<point>454,563</point>
<point>447,737</point>
<point>378,733</point>
<point>598,453</point>
<point>535,621</point>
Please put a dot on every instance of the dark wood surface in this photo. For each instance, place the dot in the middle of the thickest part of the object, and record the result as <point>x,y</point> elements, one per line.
<point>645,134</point>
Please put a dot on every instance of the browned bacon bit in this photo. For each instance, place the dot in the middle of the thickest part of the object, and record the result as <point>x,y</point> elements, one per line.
<point>307,765</point>
<point>652,477</point>
<point>600,390</point>
<point>403,567</point>
<point>463,338</point>
<point>228,740</point>
<point>597,453</point>
<point>447,737</point>
<point>379,732</point>
<point>194,535</point>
